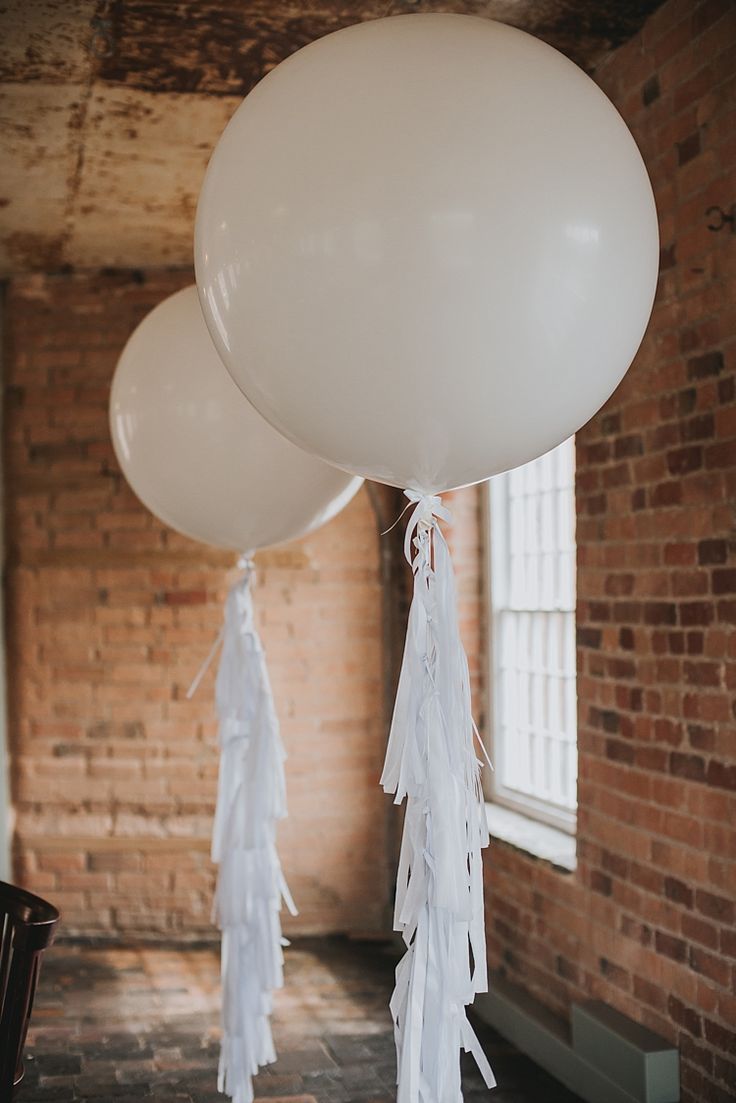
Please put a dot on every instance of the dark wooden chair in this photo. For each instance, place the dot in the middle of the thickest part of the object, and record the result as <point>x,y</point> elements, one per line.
<point>27,927</point>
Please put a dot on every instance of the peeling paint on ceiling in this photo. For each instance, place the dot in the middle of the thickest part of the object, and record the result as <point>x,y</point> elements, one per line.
<point>109,109</point>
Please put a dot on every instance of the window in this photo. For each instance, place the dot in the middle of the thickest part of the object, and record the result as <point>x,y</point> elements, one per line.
<point>532,638</point>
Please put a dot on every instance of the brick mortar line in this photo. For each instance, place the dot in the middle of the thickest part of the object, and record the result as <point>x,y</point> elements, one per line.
<point>37,844</point>
<point>565,874</point>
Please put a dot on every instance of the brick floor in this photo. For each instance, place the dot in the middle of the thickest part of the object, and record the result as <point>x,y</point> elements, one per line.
<point>113,1026</point>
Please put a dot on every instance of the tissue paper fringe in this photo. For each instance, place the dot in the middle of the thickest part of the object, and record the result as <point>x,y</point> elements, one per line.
<point>250,885</point>
<point>431,762</point>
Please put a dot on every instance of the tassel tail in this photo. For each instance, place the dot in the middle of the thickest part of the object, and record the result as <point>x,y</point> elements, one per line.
<point>431,763</point>
<point>250,884</point>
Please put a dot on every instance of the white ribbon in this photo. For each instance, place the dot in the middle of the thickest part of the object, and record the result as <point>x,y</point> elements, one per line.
<point>250,885</point>
<point>431,761</point>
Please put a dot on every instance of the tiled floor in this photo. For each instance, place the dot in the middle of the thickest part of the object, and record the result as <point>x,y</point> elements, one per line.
<point>114,1026</point>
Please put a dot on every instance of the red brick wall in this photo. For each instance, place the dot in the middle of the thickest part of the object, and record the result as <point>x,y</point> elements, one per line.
<point>467,509</point>
<point>647,922</point>
<point>110,615</point>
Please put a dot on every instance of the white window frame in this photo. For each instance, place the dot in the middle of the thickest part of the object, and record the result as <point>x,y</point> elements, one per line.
<point>526,804</point>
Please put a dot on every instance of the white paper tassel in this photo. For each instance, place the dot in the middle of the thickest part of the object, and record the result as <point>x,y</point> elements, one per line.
<point>250,886</point>
<point>431,762</point>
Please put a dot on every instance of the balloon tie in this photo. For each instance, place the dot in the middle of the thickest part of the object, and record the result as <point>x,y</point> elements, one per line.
<point>251,798</point>
<point>426,502</point>
<point>431,762</point>
<point>247,566</point>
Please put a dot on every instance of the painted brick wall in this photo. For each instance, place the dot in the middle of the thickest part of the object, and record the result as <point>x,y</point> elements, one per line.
<point>110,615</point>
<point>648,921</point>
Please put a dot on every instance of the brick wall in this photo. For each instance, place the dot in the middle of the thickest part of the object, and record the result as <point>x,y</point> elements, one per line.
<point>110,615</point>
<point>647,922</point>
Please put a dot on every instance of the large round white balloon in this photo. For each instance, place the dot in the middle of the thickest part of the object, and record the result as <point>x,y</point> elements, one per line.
<point>426,248</point>
<point>196,452</point>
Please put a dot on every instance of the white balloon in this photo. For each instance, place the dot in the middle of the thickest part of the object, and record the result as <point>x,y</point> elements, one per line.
<point>196,452</point>
<point>427,248</point>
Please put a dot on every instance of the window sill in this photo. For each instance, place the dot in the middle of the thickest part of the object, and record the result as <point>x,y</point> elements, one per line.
<point>537,839</point>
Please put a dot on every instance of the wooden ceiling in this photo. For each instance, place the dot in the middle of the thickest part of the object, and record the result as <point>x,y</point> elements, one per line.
<point>109,109</point>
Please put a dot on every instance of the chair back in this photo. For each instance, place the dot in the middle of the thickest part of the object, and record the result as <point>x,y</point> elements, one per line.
<point>27,927</point>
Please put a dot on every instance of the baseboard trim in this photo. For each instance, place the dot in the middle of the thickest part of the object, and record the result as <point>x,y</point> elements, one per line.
<point>547,1039</point>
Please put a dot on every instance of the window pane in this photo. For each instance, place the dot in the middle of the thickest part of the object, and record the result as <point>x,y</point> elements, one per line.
<point>533,624</point>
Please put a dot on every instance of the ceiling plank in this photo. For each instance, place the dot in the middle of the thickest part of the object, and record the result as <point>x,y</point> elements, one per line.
<point>110,108</point>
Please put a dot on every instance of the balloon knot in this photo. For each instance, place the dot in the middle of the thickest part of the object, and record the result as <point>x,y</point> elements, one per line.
<point>427,509</point>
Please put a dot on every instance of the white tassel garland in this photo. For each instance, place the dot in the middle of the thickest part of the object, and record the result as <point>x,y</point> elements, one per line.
<point>431,762</point>
<point>250,886</point>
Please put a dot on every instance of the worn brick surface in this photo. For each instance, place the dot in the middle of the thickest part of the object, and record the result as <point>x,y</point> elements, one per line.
<point>647,921</point>
<point>142,1024</point>
<point>110,615</point>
